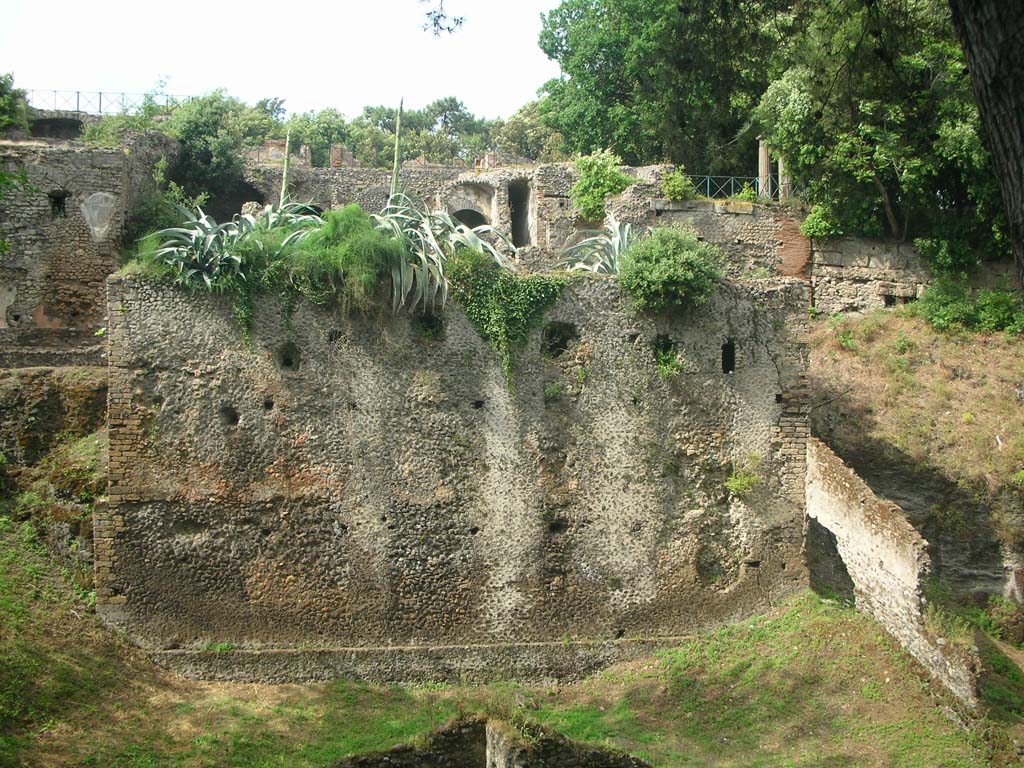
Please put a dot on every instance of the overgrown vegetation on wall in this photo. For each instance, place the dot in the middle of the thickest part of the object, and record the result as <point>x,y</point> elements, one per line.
<point>502,306</point>
<point>599,179</point>
<point>670,269</point>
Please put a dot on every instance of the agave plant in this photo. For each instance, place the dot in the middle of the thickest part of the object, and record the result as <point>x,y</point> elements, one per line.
<point>429,238</point>
<point>201,252</point>
<point>601,251</point>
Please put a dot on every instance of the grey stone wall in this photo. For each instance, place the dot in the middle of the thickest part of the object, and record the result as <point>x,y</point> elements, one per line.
<point>857,274</point>
<point>888,562</point>
<point>355,487</point>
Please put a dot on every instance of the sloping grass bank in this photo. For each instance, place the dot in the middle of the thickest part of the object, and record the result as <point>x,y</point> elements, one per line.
<point>812,684</point>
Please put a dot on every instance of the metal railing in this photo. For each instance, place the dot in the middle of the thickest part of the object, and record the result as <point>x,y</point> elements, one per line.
<point>719,187</point>
<point>99,102</point>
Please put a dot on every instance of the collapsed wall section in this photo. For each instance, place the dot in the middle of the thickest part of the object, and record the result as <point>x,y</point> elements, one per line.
<point>368,496</point>
<point>887,561</point>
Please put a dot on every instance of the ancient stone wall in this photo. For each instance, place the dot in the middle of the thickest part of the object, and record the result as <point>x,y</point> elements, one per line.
<point>360,496</point>
<point>855,274</point>
<point>52,278</point>
<point>888,563</point>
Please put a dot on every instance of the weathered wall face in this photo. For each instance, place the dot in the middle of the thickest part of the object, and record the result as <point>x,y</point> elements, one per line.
<point>53,276</point>
<point>856,274</point>
<point>358,484</point>
<point>887,560</point>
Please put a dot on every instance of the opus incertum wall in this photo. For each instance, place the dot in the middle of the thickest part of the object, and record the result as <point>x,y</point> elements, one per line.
<point>369,497</point>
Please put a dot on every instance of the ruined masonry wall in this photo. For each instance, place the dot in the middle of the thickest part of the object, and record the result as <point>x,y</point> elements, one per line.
<point>357,496</point>
<point>53,276</point>
<point>856,274</point>
<point>888,562</point>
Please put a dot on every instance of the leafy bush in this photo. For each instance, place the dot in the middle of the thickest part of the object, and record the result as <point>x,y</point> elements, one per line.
<point>346,258</point>
<point>501,305</point>
<point>747,194</point>
<point>999,310</point>
<point>819,225</point>
<point>949,304</point>
<point>602,250</point>
<point>745,477</point>
<point>676,185</point>
<point>671,268</point>
<point>599,179</point>
<point>947,256</point>
<point>13,104</point>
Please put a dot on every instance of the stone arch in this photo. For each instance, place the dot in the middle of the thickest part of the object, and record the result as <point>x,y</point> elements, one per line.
<point>471,203</point>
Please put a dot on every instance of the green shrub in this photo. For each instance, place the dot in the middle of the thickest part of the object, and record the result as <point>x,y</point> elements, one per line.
<point>999,310</point>
<point>676,185</point>
<point>819,225</point>
<point>947,304</point>
<point>747,194</point>
<point>346,258</point>
<point>599,179</point>
<point>745,477</point>
<point>669,269</point>
<point>946,256</point>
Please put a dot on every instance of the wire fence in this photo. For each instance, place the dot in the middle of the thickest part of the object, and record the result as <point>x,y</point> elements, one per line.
<point>99,102</point>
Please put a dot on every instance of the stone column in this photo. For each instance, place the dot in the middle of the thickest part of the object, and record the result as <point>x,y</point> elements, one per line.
<point>785,183</point>
<point>764,169</point>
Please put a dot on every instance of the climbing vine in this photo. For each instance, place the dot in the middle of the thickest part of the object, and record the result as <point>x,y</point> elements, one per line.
<point>503,306</point>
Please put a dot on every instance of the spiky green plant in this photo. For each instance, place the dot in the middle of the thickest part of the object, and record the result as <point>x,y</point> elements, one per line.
<point>429,238</point>
<point>601,250</point>
<point>201,252</point>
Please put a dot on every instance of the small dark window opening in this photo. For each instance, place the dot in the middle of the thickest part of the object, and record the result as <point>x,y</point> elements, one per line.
<point>268,404</point>
<point>288,357</point>
<point>729,357</point>
<point>889,300</point>
<point>558,527</point>
<point>663,347</point>
<point>556,338</point>
<point>228,416</point>
<point>478,404</point>
<point>58,204</point>
<point>908,299</point>
<point>519,208</point>
<point>470,218</point>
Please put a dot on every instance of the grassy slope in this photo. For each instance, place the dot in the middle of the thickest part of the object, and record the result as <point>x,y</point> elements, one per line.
<point>948,408</point>
<point>813,684</point>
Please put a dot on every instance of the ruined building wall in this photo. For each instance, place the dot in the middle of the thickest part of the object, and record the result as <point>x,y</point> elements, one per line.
<point>52,278</point>
<point>888,562</point>
<point>357,496</point>
<point>853,274</point>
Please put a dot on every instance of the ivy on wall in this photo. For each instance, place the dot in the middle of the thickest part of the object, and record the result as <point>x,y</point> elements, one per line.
<point>502,306</point>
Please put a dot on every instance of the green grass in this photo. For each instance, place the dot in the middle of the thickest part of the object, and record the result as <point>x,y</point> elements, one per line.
<point>811,684</point>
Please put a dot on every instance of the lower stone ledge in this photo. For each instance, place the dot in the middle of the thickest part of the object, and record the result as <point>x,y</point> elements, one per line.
<point>524,662</point>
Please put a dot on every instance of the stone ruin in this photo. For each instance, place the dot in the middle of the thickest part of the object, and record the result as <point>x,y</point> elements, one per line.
<point>355,497</point>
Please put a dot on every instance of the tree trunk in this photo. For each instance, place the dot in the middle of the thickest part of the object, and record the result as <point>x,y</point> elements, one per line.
<point>992,34</point>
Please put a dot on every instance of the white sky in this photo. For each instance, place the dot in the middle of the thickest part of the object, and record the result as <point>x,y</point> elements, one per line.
<point>343,54</point>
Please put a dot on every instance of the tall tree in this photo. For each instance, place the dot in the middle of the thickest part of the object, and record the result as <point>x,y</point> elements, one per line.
<point>992,34</point>
<point>876,116</point>
<point>662,79</point>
